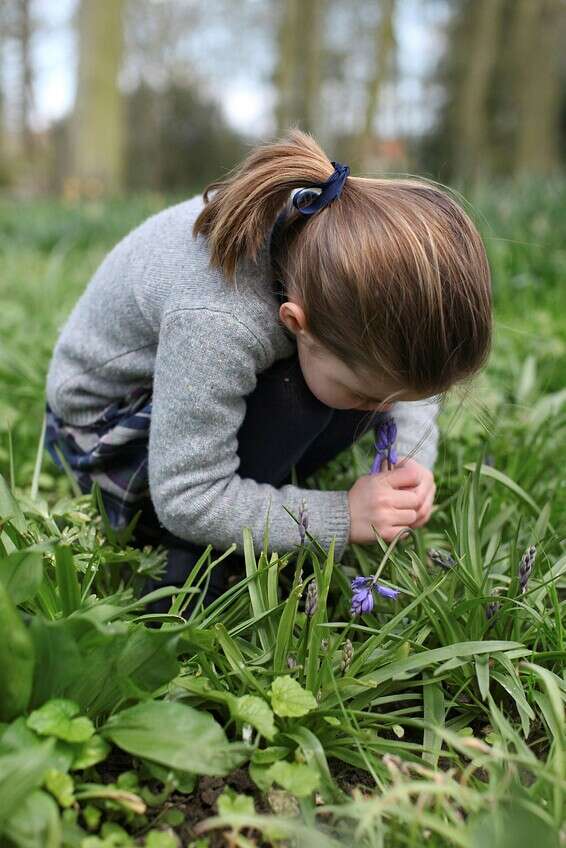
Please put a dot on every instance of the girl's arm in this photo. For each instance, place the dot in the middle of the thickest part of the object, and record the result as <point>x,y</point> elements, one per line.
<point>206,365</point>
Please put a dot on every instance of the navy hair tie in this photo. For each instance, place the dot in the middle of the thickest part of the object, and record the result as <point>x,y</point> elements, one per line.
<point>331,189</point>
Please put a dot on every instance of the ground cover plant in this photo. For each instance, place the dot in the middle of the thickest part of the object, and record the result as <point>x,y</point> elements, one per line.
<point>273,716</point>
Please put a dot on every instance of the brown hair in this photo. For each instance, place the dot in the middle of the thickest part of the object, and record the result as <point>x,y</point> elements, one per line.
<point>393,275</point>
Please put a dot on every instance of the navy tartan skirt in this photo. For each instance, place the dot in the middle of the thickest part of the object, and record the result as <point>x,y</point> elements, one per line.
<point>112,451</point>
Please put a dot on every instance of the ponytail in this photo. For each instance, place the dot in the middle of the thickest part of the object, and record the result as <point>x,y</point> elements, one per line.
<point>238,219</point>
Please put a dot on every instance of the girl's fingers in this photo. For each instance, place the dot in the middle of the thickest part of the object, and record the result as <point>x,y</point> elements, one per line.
<point>406,477</point>
<point>425,511</point>
<point>406,499</point>
<point>404,518</point>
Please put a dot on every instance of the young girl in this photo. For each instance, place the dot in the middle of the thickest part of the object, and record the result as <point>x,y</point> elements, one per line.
<point>259,328</point>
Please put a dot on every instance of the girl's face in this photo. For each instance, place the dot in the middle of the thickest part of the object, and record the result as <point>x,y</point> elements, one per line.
<point>337,386</point>
<point>331,380</point>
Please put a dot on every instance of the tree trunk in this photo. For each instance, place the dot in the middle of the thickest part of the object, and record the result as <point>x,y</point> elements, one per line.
<point>539,31</point>
<point>97,131</point>
<point>385,45</point>
<point>26,78</point>
<point>471,136</point>
<point>286,63</point>
<point>298,73</point>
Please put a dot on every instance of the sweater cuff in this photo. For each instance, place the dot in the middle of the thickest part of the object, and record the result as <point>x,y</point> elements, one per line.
<point>335,517</point>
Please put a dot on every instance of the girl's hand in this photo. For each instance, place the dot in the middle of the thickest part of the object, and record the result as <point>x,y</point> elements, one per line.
<point>426,490</point>
<point>390,500</point>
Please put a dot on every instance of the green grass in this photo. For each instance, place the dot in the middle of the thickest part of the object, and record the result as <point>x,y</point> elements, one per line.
<point>454,720</point>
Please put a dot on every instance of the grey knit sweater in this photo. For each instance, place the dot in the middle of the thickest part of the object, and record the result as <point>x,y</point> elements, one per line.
<point>155,313</point>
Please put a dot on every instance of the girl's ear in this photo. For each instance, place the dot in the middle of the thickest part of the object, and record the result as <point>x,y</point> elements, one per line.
<point>293,317</point>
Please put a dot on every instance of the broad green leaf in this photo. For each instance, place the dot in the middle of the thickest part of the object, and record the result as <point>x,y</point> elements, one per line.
<point>511,825</point>
<point>61,787</point>
<point>230,803</point>
<point>20,774</point>
<point>21,573</point>
<point>266,756</point>
<point>288,698</point>
<point>60,718</point>
<point>17,660</point>
<point>174,735</point>
<point>10,508</point>
<point>161,839</point>
<point>315,756</point>
<point>89,753</point>
<point>254,711</point>
<point>298,778</point>
<point>34,823</point>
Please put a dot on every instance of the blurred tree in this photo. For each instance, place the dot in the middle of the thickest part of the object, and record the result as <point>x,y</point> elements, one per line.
<point>503,80</point>
<point>297,78</point>
<point>18,25</point>
<point>97,126</point>
<point>24,32</point>
<point>177,139</point>
<point>385,45</point>
<point>538,39</point>
<point>479,39</point>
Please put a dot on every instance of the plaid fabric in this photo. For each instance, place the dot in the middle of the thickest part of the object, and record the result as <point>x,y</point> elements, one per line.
<point>113,452</point>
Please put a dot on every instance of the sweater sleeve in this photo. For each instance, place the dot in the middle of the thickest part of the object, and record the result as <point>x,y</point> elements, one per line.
<point>417,430</point>
<point>206,364</point>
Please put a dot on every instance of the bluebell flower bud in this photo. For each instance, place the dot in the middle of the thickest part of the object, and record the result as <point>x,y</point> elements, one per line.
<point>525,567</point>
<point>311,600</point>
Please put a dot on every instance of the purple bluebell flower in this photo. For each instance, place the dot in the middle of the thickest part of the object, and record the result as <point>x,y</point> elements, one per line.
<point>362,601</point>
<point>386,436</point>
<point>386,591</point>
<point>362,594</point>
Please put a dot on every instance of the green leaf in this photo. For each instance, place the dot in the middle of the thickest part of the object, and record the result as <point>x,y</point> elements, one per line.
<point>254,711</point>
<point>34,823</point>
<point>514,688</point>
<point>175,735</point>
<point>551,683</point>
<point>488,471</point>
<point>414,663</point>
<point>511,826</point>
<point>10,508</point>
<point>298,778</point>
<point>161,839</point>
<point>67,583</point>
<point>288,698</point>
<point>259,605</point>
<point>89,753</point>
<point>61,787</point>
<point>57,718</point>
<point>21,573</point>
<point>482,674</point>
<point>433,701</point>
<point>20,774</point>
<point>230,803</point>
